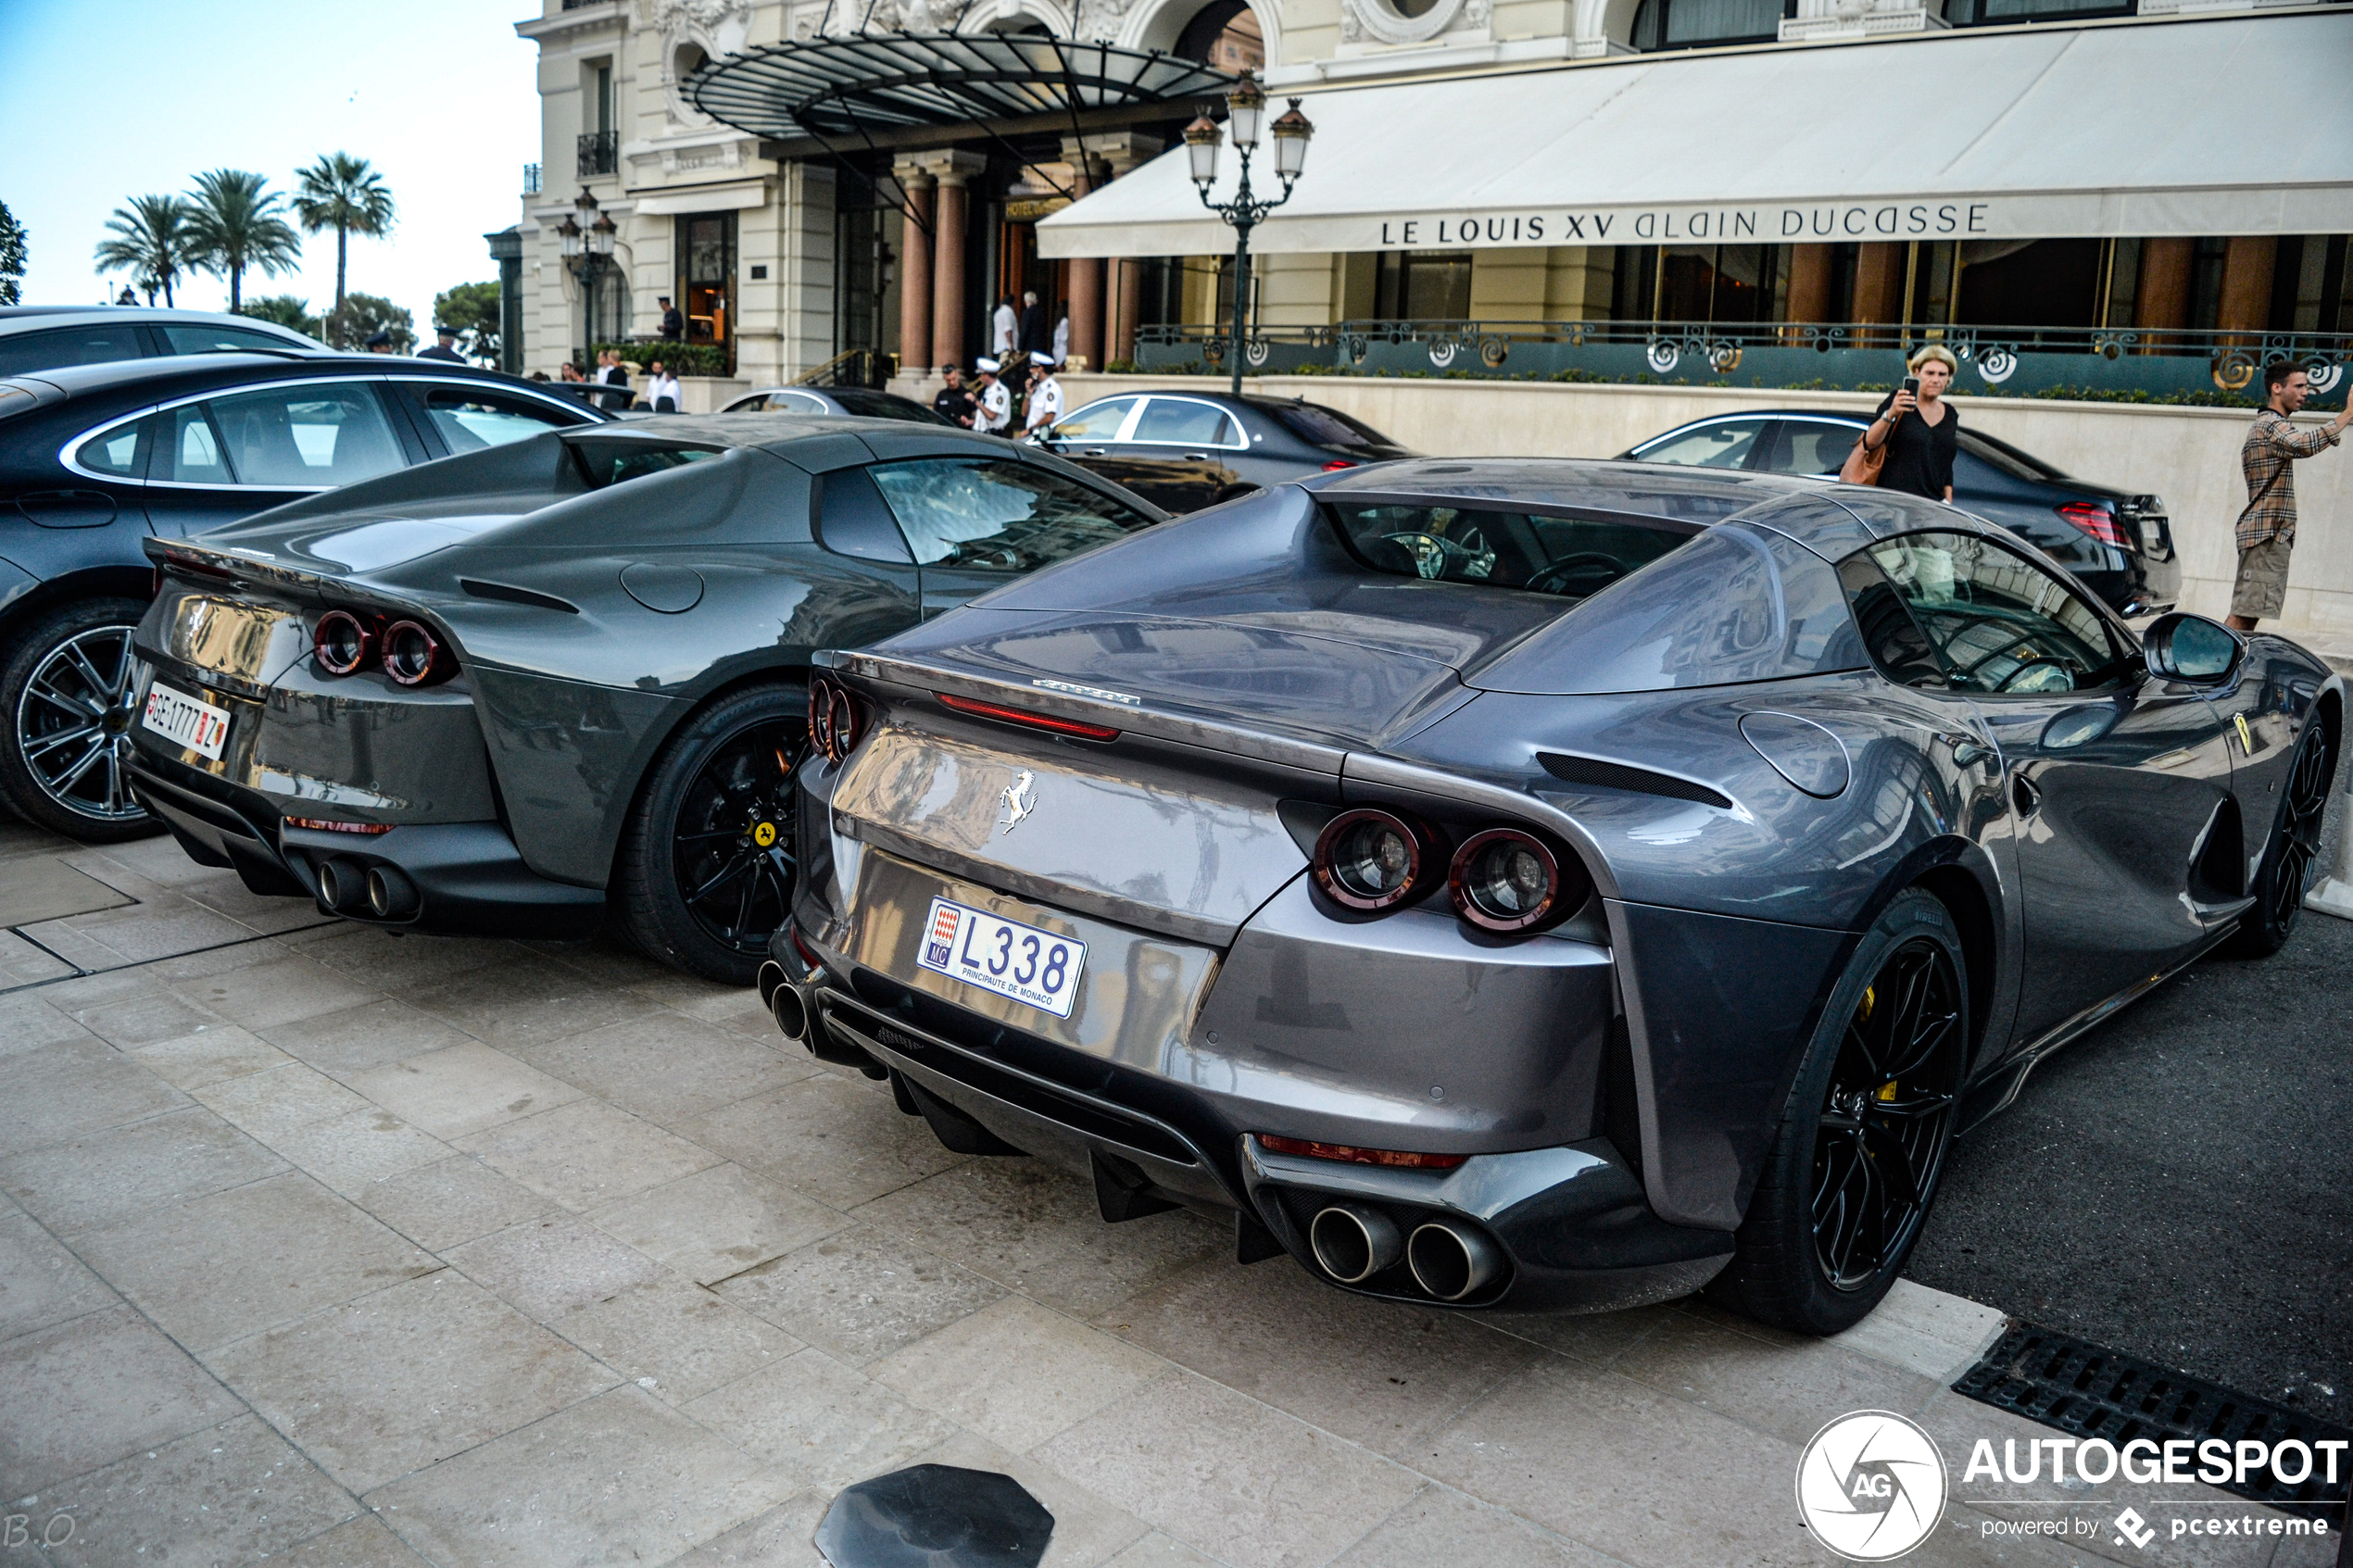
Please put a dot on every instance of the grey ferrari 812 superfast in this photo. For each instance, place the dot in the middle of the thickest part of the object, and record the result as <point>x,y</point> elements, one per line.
<point>528,689</point>
<point>1534,884</point>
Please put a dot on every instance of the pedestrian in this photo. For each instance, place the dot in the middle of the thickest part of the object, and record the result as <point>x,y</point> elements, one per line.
<point>661,388</point>
<point>1916,429</point>
<point>996,408</point>
<point>2267,528</point>
<point>1002,327</point>
<point>1043,407</point>
<point>569,372</point>
<point>612,373</point>
<point>444,338</point>
<point>953,404</point>
<point>1062,333</point>
<point>1034,337</point>
<point>380,341</point>
<point>674,325</point>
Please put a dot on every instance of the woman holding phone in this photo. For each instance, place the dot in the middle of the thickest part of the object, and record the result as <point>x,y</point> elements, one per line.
<point>1918,430</point>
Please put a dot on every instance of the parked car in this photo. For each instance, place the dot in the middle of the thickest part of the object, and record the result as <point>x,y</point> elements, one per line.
<point>51,337</point>
<point>513,692</point>
<point>1263,440</point>
<point>2119,544</point>
<point>858,402</point>
<point>96,459</point>
<point>1535,883</point>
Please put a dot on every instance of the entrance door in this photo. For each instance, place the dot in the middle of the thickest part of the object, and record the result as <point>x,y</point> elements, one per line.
<point>707,280</point>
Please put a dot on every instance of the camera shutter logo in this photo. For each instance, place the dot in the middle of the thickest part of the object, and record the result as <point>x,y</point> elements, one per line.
<point>1870,1485</point>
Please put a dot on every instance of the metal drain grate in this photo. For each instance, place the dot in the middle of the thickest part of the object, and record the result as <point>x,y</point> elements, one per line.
<point>2088,1390</point>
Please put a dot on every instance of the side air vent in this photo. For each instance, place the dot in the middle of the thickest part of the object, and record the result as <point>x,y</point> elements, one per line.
<point>514,595</point>
<point>1596,775</point>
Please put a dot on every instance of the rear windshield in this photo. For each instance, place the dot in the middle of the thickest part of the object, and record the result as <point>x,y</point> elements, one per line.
<point>2008,459</point>
<point>1327,426</point>
<point>883,405</point>
<point>1571,556</point>
<point>604,463</point>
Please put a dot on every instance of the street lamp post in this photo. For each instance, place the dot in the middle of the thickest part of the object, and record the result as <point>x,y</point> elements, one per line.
<point>587,239</point>
<point>1245,114</point>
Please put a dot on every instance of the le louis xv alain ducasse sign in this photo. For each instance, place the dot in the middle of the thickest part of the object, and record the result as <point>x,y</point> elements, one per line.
<point>1793,224</point>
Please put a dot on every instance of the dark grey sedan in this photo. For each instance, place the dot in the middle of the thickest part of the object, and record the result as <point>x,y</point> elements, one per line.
<point>1535,884</point>
<point>1263,440</point>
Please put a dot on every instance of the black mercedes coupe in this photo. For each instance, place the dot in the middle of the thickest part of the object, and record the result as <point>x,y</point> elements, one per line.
<point>509,692</point>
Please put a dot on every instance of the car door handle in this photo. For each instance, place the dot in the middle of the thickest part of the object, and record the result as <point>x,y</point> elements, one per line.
<point>1966,752</point>
<point>2025,795</point>
<point>1098,452</point>
<point>1196,456</point>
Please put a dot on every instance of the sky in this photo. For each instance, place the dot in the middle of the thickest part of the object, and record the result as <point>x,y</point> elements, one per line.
<point>102,100</point>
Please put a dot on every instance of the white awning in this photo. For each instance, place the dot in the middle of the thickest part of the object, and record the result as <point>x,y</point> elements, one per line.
<point>2241,125</point>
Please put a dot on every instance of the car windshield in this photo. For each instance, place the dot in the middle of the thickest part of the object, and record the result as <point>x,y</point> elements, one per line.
<point>1570,557</point>
<point>996,515</point>
<point>883,405</point>
<point>1328,427</point>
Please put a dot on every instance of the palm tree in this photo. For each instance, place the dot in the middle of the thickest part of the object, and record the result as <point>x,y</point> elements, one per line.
<point>344,194</point>
<point>150,242</point>
<point>233,226</point>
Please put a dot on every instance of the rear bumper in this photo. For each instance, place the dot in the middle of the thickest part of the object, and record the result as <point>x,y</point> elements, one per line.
<point>468,878</point>
<point>1572,1223</point>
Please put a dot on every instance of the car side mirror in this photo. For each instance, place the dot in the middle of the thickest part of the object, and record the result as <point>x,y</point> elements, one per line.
<point>2191,649</point>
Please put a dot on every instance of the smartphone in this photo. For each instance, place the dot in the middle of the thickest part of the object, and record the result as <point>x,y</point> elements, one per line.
<point>1912,385</point>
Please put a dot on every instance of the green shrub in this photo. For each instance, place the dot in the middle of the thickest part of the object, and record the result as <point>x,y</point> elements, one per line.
<point>684,359</point>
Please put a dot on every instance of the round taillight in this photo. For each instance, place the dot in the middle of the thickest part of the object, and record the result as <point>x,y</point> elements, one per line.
<point>1372,861</point>
<point>821,716</point>
<point>342,642</point>
<point>414,656</point>
<point>1506,880</point>
<point>844,721</point>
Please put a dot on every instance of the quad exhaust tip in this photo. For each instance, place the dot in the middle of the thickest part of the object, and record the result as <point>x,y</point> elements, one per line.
<point>1452,1261</point>
<point>343,886</point>
<point>1353,1243</point>
<point>391,896</point>
<point>791,1013</point>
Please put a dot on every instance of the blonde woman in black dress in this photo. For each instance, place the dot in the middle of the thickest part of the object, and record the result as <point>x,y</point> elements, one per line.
<point>1920,433</point>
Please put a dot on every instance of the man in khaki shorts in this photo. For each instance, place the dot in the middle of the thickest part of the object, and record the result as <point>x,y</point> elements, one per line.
<point>2267,528</point>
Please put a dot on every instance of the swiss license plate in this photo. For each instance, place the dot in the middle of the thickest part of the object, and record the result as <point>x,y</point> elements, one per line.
<point>190,721</point>
<point>1035,967</point>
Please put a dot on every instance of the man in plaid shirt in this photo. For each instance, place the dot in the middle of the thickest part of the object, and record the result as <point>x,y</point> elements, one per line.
<point>2267,528</point>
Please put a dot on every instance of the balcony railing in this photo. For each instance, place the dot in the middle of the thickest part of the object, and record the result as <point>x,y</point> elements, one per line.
<point>2130,364</point>
<point>599,152</point>
<point>530,179</point>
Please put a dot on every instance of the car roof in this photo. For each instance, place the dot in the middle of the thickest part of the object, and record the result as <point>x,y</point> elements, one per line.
<point>29,318</point>
<point>165,374</point>
<point>762,430</point>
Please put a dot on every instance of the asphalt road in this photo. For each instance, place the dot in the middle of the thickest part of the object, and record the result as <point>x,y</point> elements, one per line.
<point>2179,1183</point>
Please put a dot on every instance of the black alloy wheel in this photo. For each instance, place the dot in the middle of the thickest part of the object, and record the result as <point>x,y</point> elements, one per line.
<point>1845,1187</point>
<point>2295,848</point>
<point>66,690</point>
<point>708,866</point>
<point>1888,1116</point>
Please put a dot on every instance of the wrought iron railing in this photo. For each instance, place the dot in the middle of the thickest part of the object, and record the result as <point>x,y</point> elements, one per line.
<point>599,152</point>
<point>2125,362</point>
<point>530,179</point>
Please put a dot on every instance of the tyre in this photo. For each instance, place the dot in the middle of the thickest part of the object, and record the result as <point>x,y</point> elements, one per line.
<point>1855,1164</point>
<point>65,690</point>
<point>707,866</point>
<point>2295,845</point>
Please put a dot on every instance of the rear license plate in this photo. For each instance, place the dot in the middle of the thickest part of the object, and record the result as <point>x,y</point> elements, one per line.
<point>1035,967</point>
<point>190,721</point>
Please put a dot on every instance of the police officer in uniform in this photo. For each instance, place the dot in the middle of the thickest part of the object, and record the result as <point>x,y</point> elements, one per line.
<point>996,403</point>
<point>1044,406</point>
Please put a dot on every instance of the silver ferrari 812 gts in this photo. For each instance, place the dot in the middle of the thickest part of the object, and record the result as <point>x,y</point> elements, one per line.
<point>1534,884</point>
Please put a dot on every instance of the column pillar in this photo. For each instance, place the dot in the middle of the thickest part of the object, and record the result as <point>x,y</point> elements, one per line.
<point>953,171</point>
<point>2164,295</point>
<point>1809,283</point>
<point>1120,153</point>
<point>1086,272</point>
<point>1878,291</point>
<point>2247,263</point>
<point>914,272</point>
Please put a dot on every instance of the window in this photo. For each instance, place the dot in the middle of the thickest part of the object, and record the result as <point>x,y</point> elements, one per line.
<point>1720,444</point>
<point>63,346</point>
<point>116,453</point>
<point>1329,427</point>
<point>884,406</point>
<point>1691,24</point>
<point>310,435</point>
<point>1570,557</point>
<point>472,420</point>
<point>604,463</point>
<point>706,289</point>
<point>1810,446</point>
<point>187,449</point>
<point>1180,422</point>
<point>998,515</point>
<point>1096,422</point>
<point>1957,610</point>
<point>1422,285</point>
<point>199,338</point>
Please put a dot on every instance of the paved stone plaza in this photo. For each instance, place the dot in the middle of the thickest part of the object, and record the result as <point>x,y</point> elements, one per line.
<point>333,1247</point>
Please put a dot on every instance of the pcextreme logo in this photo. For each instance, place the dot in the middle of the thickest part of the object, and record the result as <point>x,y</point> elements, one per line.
<point>1870,1485</point>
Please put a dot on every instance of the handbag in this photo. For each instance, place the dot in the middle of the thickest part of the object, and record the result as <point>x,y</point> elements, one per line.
<point>1863,463</point>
